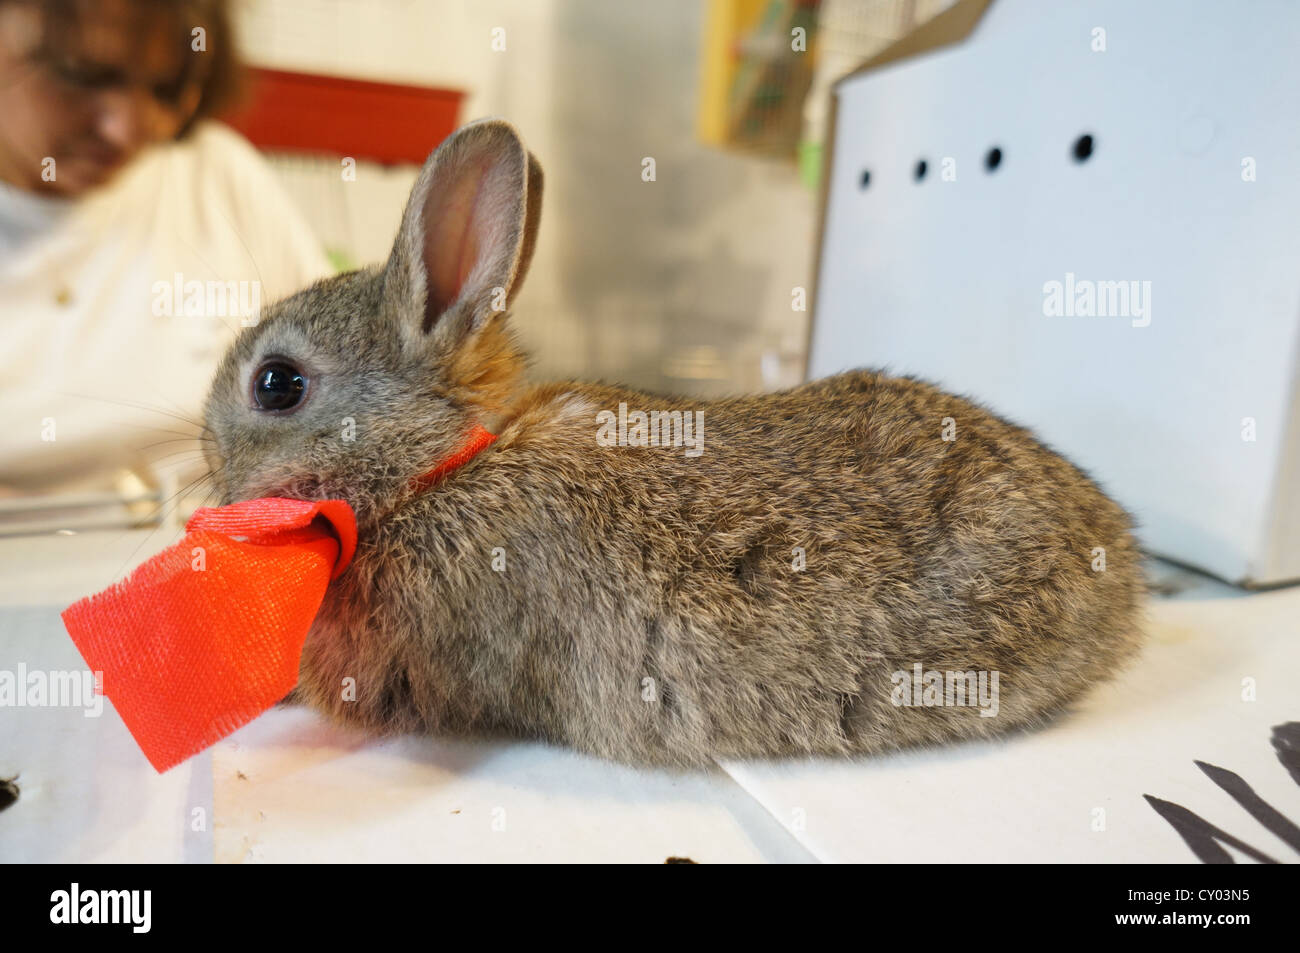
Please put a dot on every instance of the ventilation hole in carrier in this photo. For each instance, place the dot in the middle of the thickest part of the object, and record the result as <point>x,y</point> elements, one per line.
<point>8,792</point>
<point>1082,148</point>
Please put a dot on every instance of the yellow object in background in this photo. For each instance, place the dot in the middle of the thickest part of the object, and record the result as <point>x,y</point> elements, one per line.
<point>756,67</point>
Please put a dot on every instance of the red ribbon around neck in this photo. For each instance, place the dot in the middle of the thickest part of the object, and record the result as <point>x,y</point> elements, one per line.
<point>204,637</point>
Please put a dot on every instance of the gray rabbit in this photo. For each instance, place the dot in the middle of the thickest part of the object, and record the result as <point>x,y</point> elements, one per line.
<point>781,581</point>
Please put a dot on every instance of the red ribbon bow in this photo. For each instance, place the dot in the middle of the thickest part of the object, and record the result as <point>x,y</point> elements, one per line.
<point>204,637</point>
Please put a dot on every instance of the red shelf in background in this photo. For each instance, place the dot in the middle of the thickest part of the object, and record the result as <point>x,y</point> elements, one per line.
<point>381,122</point>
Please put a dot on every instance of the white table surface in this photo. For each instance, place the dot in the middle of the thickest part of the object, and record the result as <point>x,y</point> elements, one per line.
<point>288,787</point>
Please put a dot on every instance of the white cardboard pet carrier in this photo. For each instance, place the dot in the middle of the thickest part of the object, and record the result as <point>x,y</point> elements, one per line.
<point>1137,304</point>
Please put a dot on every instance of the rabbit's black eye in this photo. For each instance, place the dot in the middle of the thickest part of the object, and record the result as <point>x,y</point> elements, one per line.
<point>278,386</point>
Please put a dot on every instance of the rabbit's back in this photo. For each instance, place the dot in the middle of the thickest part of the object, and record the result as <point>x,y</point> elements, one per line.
<point>647,604</point>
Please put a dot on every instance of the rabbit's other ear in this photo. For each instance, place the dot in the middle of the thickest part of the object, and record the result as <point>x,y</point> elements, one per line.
<point>467,234</point>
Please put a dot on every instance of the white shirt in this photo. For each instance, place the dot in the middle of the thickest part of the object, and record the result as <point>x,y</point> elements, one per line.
<point>96,353</point>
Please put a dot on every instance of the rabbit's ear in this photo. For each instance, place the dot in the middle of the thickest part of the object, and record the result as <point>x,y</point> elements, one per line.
<point>467,234</point>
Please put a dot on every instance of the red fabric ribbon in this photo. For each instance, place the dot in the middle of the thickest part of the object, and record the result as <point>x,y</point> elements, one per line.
<point>204,637</point>
<point>475,441</point>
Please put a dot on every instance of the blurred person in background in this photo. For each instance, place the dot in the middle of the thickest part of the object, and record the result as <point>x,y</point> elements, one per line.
<point>136,237</point>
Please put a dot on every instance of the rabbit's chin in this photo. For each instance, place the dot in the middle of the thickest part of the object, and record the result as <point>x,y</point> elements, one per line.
<point>310,489</point>
<point>371,501</point>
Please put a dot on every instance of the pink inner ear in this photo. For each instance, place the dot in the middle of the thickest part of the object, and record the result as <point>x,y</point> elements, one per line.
<point>452,236</point>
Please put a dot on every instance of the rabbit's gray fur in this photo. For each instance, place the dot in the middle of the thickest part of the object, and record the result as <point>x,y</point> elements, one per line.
<point>649,609</point>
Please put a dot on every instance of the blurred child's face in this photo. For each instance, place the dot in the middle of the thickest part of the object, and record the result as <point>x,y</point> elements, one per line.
<point>89,89</point>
